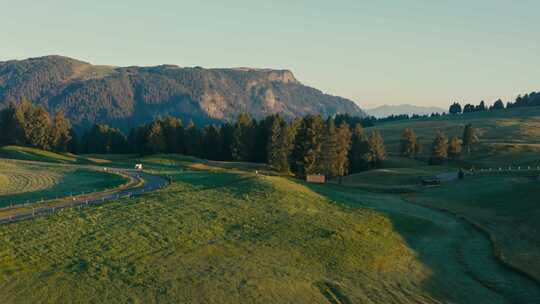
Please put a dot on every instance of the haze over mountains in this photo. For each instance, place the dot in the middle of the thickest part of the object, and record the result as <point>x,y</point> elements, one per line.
<point>387,110</point>
<point>125,97</point>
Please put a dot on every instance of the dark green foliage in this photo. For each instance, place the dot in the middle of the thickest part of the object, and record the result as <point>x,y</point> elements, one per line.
<point>455,108</point>
<point>359,149</point>
<point>61,133</point>
<point>279,145</point>
<point>103,139</point>
<point>211,143</point>
<point>329,149</point>
<point>306,156</point>
<point>497,105</point>
<point>469,137</point>
<point>192,137</point>
<point>243,138</point>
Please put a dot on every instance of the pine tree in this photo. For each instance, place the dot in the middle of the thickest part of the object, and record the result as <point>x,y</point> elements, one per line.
<point>377,152</point>
<point>469,138</point>
<point>329,149</point>
<point>243,138</point>
<point>343,147</point>
<point>192,140</point>
<point>156,140</point>
<point>279,146</point>
<point>454,148</point>
<point>171,129</point>
<point>359,150</point>
<point>306,156</point>
<point>211,141</point>
<point>408,143</point>
<point>61,132</point>
<point>439,151</point>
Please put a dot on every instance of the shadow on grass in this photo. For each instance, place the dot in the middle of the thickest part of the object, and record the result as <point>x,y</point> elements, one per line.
<point>463,266</point>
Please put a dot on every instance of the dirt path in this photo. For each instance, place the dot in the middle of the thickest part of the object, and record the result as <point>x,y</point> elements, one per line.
<point>461,257</point>
<point>146,182</point>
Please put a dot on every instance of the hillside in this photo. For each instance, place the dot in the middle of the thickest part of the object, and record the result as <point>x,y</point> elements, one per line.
<point>507,137</point>
<point>387,110</point>
<point>128,96</point>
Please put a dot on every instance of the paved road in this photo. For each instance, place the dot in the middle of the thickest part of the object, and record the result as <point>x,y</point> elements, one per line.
<point>151,182</point>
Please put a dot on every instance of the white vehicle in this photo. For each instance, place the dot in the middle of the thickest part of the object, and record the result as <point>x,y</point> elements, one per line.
<point>138,166</point>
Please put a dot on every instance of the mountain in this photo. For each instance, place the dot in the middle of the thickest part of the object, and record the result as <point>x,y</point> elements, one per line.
<point>387,110</point>
<point>128,96</point>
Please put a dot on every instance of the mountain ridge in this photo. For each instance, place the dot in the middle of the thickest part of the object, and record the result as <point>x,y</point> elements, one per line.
<point>125,97</point>
<point>410,109</point>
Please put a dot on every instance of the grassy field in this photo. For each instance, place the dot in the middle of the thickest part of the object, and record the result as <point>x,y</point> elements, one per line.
<point>508,137</point>
<point>22,182</point>
<point>506,206</point>
<point>221,237</point>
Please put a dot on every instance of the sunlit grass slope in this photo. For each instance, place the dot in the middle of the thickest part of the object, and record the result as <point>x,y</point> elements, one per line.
<point>33,154</point>
<point>256,239</point>
<point>508,137</point>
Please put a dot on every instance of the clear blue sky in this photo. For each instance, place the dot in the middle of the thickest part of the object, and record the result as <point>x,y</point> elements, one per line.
<point>423,52</point>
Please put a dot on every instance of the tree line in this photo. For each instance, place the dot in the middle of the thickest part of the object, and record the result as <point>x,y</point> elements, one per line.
<point>306,145</point>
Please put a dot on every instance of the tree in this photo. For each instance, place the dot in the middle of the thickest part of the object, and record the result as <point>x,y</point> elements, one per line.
<point>211,141</point>
<point>242,138</point>
<point>343,146</point>
<point>439,149</point>
<point>37,128</point>
<point>61,133</point>
<point>306,156</point>
<point>171,133</point>
<point>481,107</point>
<point>227,134</point>
<point>156,141</point>
<point>409,143</point>
<point>10,127</point>
<point>454,148</point>
<point>468,108</point>
<point>497,105</point>
<point>192,140</point>
<point>377,152</point>
<point>279,146</point>
<point>469,137</point>
<point>329,149</point>
<point>359,149</point>
<point>455,108</point>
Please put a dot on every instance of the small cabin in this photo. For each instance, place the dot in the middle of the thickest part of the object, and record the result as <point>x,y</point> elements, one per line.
<point>138,166</point>
<point>316,178</point>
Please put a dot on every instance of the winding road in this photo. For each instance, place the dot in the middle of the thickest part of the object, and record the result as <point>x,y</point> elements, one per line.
<point>145,182</point>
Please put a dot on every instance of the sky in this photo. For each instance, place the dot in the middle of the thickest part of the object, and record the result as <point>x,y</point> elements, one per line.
<point>421,52</point>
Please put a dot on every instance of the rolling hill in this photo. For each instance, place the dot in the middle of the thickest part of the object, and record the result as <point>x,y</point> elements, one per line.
<point>387,110</point>
<point>128,96</point>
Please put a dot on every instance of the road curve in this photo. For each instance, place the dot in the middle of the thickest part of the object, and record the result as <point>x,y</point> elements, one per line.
<point>149,182</point>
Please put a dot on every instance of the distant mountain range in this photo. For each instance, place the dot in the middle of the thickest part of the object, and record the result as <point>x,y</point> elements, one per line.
<point>387,110</point>
<point>128,96</point>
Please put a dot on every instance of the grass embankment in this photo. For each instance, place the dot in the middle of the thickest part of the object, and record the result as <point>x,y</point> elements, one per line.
<point>505,206</point>
<point>257,239</point>
<point>508,137</point>
<point>22,182</point>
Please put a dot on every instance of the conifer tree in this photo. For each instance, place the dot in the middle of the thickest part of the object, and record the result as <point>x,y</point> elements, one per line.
<point>454,148</point>
<point>61,132</point>
<point>439,151</point>
<point>343,146</point>
<point>329,149</point>
<point>377,152</point>
<point>469,137</point>
<point>156,140</point>
<point>359,149</point>
<point>306,155</point>
<point>279,146</point>
<point>242,138</point>
<point>211,141</point>
<point>408,144</point>
<point>192,140</point>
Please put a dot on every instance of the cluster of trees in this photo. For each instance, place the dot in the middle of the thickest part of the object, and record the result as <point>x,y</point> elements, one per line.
<point>26,124</point>
<point>442,149</point>
<point>306,145</point>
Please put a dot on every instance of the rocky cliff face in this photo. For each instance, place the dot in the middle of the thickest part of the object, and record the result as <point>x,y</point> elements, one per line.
<point>128,96</point>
